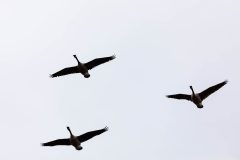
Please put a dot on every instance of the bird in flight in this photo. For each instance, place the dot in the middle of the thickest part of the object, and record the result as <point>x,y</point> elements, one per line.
<point>75,141</point>
<point>83,68</point>
<point>197,98</point>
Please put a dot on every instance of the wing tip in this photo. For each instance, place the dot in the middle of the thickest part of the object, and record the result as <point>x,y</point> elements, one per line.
<point>106,128</point>
<point>168,96</point>
<point>225,82</point>
<point>113,56</point>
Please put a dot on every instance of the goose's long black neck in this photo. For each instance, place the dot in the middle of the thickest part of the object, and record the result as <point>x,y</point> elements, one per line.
<point>192,90</point>
<point>69,131</point>
<point>76,59</point>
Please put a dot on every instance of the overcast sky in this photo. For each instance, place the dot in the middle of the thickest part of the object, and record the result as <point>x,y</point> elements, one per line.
<point>162,47</point>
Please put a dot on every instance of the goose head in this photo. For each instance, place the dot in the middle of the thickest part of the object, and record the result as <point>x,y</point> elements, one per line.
<point>192,89</point>
<point>68,128</point>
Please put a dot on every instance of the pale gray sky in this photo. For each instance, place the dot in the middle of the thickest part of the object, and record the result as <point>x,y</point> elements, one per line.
<point>162,47</point>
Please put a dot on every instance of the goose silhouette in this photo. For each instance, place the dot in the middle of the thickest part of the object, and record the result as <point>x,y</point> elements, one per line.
<point>82,68</point>
<point>75,141</point>
<point>197,98</point>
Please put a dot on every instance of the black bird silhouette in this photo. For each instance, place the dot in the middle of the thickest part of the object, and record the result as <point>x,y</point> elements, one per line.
<point>76,140</point>
<point>197,98</point>
<point>83,68</point>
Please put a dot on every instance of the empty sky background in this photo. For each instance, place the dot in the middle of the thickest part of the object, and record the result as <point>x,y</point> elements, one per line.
<point>162,48</point>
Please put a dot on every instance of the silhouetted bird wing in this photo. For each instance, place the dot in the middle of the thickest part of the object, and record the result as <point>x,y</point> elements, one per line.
<point>98,61</point>
<point>180,96</point>
<point>86,136</point>
<point>57,142</point>
<point>65,71</point>
<point>204,94</point>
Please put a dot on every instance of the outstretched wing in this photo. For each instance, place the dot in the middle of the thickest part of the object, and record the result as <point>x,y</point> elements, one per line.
<point>204,94</point>
<point>57,142</point>
<point>86,136</point>
<point>180,96</point>
<point>98,61</point>
<point>65,71</point>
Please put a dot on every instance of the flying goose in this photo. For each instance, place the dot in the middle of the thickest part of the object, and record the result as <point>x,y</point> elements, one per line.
<point>197,98</point>
<point>75,141</point>
<point>83,68</point>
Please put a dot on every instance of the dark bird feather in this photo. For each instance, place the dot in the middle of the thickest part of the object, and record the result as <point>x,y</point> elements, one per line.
<point>65,71</point>
<point>204,94</point>
<point>57,142</point>
<point>86,136</point>
<point>98,61</point>
<point>180,96</point>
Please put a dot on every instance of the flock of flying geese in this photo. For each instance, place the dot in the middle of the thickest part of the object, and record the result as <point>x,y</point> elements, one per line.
<point>83,68</point>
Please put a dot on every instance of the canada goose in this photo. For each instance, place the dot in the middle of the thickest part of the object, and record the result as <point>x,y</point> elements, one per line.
<point>75,141</point>
<point>82,68</point>
<point>197,98</point>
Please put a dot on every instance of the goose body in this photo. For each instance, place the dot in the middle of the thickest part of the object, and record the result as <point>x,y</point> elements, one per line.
<point>197,98</point>
<point>82,68</point>
<point>75,141</point>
